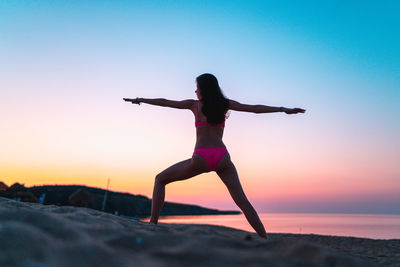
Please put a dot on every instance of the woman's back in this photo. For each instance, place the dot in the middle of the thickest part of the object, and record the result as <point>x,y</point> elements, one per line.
<point>207,135</point>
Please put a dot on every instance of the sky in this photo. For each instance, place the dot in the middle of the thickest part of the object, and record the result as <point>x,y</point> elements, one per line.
<point>66,65</point>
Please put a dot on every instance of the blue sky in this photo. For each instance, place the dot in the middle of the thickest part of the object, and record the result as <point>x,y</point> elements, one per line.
<point>277,40</point>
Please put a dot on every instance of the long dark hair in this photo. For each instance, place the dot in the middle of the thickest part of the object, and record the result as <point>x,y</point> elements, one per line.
<point>215,105</point>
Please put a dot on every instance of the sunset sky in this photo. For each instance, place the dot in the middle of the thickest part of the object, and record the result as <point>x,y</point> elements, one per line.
<point>66,65</point>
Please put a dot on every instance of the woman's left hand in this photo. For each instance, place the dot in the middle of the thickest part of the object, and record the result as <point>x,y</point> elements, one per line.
<point>294,110</point>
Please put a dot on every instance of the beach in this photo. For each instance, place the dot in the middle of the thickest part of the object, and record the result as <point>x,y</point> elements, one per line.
<point>47,235</point>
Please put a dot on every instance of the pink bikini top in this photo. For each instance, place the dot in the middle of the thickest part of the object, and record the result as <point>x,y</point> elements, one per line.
<point>198,123</point>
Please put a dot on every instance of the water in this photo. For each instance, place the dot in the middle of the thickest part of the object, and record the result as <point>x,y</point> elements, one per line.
<point>357,225</point>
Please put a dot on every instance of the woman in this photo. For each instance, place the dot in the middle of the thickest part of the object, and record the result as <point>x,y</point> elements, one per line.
<point>210,153</point>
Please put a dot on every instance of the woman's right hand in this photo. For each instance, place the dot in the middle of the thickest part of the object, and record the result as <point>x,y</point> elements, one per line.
<point>133,101</point>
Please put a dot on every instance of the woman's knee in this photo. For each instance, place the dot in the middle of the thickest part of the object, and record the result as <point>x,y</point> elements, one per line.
<point>160,179</point>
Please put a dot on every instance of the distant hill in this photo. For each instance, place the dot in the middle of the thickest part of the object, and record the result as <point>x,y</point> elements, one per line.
<point>124,203</point>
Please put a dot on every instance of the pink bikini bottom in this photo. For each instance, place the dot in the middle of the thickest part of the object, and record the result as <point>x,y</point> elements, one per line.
<point>212,155</point>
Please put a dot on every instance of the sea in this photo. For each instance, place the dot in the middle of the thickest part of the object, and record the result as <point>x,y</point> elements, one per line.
<point>356,225</point>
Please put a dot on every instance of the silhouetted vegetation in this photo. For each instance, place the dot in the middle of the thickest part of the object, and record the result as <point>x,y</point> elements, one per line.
<point>124,203</point>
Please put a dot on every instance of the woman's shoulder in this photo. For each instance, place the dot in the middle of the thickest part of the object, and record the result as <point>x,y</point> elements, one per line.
<point>188,102</point>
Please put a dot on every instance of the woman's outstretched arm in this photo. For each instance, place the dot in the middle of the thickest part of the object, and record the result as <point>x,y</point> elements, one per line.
<point>234,105</point>
<point>184,104</point>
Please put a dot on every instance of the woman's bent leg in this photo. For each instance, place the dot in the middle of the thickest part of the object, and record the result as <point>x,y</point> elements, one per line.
<point>229,176</point>
<point>157,201</point>
<point>179,171</point>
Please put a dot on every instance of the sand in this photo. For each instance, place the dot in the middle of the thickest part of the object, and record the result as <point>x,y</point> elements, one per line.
<point>47,235</point>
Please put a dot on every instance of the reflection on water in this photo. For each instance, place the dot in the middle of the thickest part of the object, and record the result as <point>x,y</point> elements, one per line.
<point>358,225</point>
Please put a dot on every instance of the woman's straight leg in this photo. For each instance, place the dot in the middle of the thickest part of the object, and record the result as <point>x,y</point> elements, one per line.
<point>229,176</point>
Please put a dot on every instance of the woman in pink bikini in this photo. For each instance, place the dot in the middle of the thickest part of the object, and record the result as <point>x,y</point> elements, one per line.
<point>210,153</point>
